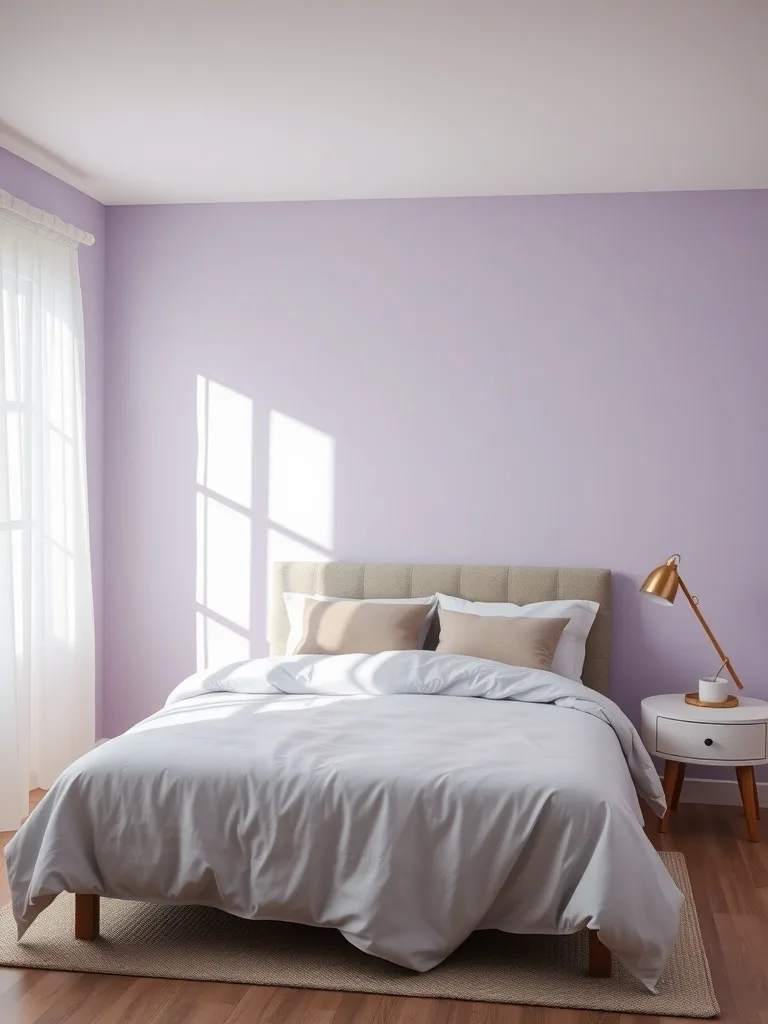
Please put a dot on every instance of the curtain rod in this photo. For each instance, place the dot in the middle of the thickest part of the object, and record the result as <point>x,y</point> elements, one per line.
<point>45,223</point>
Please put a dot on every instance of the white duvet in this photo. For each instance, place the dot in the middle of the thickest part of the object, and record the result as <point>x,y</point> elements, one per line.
<point>405,799</point>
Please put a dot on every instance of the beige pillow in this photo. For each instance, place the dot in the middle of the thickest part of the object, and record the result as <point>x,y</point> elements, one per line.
<point>527,643</point>
<point>360,627</point>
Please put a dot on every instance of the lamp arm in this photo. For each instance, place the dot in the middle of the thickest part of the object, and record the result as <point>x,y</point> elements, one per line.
<point>710,634</point>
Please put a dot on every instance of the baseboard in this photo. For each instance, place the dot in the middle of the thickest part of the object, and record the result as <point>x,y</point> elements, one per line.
<point>718,791</point>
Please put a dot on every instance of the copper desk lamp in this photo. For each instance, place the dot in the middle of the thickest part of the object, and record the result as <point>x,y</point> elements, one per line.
<point>661,586</point>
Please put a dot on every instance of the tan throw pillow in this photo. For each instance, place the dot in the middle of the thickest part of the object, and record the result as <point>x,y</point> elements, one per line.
<point>527,643</point>
<point>360,627</point>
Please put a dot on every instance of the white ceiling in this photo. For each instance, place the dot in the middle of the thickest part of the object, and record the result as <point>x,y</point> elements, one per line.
<point>153,101</point>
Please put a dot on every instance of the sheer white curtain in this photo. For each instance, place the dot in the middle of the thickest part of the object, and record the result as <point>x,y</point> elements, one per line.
<point>46,603</point>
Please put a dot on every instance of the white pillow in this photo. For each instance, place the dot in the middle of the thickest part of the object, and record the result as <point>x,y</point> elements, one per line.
<point>294,605</point>
<point>570,651</point>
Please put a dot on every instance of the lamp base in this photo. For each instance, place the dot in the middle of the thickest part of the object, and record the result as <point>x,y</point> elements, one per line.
<point>732,701</point>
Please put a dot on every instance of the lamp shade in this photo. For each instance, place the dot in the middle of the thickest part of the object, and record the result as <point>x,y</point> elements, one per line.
<point>662,583</point>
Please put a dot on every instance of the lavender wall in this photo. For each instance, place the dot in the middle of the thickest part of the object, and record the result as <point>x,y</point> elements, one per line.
<point>41,189</point>
<point>553,380</point>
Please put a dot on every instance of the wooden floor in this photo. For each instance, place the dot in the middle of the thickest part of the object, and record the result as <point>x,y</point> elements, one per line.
<point>730,883</point>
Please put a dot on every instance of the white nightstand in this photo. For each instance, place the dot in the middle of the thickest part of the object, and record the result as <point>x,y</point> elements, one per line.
<point>683,734</point>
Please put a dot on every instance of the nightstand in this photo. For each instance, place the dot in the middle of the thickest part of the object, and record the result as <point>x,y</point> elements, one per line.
<point>683,734</point>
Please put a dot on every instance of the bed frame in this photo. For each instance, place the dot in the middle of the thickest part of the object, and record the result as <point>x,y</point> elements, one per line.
<point>87,927</point>
<point>472,582</point>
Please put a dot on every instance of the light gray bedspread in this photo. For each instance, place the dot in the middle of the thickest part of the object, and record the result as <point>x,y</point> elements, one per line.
<point>406,799</point>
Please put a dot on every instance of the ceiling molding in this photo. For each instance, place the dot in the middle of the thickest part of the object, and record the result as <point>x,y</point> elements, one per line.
<point>22,146</point>
<point>249,100</point>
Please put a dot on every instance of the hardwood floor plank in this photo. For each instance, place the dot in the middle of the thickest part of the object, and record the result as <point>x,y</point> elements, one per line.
<point>451,1011</point>
<point>496,1013</point>
<point>745,942</point>
<point>85,1000</point>
<point>744,972</point>
<point>298,1007</point>
<point>323,1007</point>
<point>260,1004</point>
<point>396,1009</point>
<point>33,994</point>
<point>535,1014</point>
<point>186,1009</point>
<point>267,1005</point>
<point>356,1008</point>
<point>735,882</point>
<point>755,857</point>
<point>10,977</point>
<point>143,1000</point>
<point>590,1016</point>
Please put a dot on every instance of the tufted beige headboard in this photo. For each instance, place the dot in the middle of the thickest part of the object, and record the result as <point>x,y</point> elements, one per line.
<point>473,582</point>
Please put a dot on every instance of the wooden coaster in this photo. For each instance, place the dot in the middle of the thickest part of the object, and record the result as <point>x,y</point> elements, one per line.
<point>732,701</point>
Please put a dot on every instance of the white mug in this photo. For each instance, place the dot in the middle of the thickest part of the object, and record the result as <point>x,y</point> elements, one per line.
<point>713,690</point>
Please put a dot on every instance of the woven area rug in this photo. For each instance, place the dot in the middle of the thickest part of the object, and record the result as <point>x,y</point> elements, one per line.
<point>202,944</point>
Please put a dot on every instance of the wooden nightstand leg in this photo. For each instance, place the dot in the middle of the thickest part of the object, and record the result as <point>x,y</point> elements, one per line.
<point>757,797</point>
<point>673,771</point>
<point>748,789</point>
<point>678,785</point>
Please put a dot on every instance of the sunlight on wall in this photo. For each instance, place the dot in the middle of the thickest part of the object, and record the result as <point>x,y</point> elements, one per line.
<point>224,442</point>
<point>301,471</point>
<point>300,508</point>
<point>224,523</point>
<point>301,494</point>
<point>284,548</point>
<point>224,570</point>
<point>218,644</point>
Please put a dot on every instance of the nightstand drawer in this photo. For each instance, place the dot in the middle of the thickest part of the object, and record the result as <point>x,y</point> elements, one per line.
<point>739,742</point>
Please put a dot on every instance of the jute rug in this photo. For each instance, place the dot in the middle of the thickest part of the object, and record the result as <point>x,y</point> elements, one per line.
<point>202,944</point>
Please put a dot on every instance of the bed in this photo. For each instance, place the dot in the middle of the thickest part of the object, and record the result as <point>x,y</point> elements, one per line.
<point>377,796</point>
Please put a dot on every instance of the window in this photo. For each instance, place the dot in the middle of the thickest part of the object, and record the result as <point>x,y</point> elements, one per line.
<point>15,416</point>
<point>46,604</point>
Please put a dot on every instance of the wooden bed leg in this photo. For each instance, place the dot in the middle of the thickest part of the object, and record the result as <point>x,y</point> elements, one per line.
<point>86,916</point>
<point>599,956</point>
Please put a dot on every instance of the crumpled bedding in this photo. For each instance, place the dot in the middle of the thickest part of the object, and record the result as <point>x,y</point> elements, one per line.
<point>406,799</point>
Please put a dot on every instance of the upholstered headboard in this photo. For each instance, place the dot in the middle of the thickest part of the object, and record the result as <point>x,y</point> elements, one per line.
<point>473,582</point>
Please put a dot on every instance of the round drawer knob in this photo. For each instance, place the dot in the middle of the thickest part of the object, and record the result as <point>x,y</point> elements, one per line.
<point>707,743</point>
